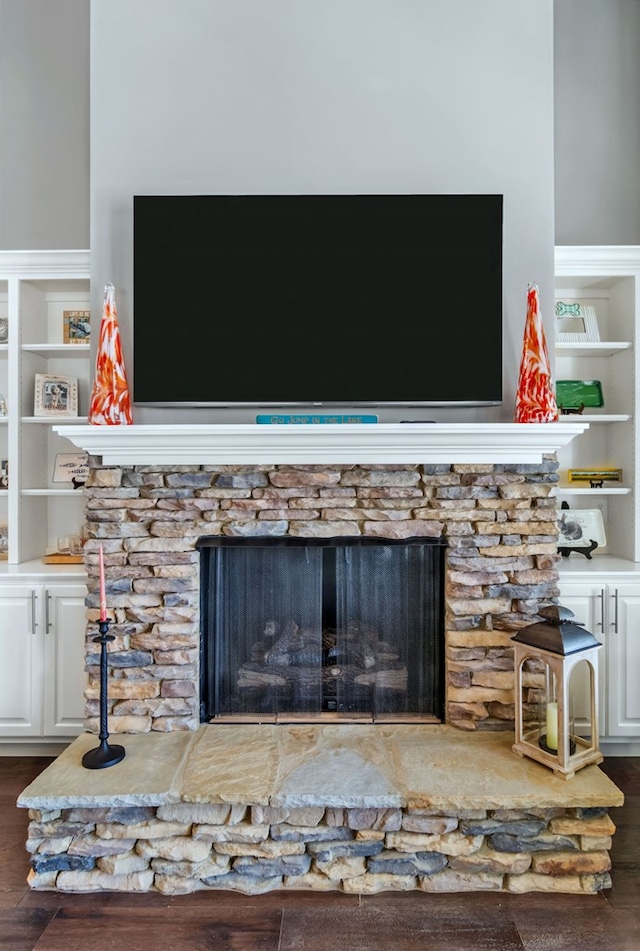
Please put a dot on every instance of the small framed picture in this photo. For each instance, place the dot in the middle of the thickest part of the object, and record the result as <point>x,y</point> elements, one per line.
<point>71,467</point>
<point>76,326</point>
<point>580,527</point>
<point>4,473</point>
<point>576,323</point>
<point>4,329</point>
<point>55,395</point>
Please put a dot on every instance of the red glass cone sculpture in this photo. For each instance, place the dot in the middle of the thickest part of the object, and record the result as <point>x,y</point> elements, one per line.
<point>535,398</point>
<point>110,403</point>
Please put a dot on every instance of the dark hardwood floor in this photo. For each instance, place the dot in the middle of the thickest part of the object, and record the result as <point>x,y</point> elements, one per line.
<point>310,921</point>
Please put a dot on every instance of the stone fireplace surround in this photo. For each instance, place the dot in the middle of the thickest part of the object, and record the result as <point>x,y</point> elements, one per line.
<point>499,521</point>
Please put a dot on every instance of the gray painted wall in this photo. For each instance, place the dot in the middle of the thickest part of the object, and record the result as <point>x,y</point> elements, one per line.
<point>343,95</point>
<point>192,95</point>
<point>44,124</point>
<point>597,121</point>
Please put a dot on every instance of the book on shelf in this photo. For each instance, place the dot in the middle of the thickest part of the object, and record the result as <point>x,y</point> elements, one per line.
<point>313,418</point>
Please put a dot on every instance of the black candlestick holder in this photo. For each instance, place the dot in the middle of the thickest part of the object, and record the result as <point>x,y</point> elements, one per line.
<point>105,754</point>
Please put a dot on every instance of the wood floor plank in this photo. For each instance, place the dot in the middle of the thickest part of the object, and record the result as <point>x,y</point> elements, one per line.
<point>20,929</point>
<point>175,929</point>
<point>403,927</point>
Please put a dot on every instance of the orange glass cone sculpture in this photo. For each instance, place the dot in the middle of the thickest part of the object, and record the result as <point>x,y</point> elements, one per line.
<point>535,397</point>
<point>110,402</point>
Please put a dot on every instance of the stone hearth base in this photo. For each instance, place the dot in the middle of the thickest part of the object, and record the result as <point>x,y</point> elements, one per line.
<point>359,808</point>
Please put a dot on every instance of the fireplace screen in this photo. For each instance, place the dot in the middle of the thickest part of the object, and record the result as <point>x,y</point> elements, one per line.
<point>308,628</point>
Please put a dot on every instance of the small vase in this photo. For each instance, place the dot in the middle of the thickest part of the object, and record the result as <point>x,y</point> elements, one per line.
<point>110,403</point>
<point>535,397</point>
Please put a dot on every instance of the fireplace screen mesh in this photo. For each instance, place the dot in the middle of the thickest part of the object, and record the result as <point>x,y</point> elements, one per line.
<point>309,628</point>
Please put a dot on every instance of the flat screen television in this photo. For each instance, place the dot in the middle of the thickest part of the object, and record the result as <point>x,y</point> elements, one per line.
<point>317,300</point>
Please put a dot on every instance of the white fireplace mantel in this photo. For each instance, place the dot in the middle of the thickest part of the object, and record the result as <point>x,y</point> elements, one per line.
<point>323,444</point>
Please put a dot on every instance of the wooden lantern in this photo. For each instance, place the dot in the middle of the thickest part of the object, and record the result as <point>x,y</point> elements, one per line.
<point>560,644</point>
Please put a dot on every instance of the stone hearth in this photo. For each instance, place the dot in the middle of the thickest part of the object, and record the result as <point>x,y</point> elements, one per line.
<point>359,808</point>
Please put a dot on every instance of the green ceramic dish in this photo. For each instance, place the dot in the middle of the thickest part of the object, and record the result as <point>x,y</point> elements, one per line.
<point>572,394</point>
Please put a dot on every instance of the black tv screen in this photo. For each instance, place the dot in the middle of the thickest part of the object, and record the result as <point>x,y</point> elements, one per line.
<point>308,300</point>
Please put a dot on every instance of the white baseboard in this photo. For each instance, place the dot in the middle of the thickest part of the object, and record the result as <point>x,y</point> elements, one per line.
<point>39,747</point>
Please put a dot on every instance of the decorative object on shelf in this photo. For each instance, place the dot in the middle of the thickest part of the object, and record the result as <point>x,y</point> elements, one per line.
<point>545,731</point>
<point>580,530</point>
<point>4,329</point>
<point>535,399</point>
<point>576,323</point>
<point>3,406</point>
<point>4,473</point>
<point>62,558</point>
<point>55,395</point>
<point>110,402</point>
<point>71,467</point>
<point>105,754</point>
<point>595,477</point>
<point>573,396</point>
<point>76,326</point>
<point>4,541</point>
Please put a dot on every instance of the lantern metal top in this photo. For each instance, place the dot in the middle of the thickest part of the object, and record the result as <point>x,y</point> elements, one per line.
<point>557,633</point>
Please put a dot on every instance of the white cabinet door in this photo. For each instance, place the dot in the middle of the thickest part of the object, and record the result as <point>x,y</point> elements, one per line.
<point>587,603</point>
<point>611,611</point>
<point>623,656</point>
<point>21,666</point>
<point>64,674</point>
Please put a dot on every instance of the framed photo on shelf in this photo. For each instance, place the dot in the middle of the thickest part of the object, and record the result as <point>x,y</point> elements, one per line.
<point>580,527</point>
<point>76,326</point>
<point>72,467</point>
<point>4,473</point>
<point>576,323</point>
<point>55,395</point>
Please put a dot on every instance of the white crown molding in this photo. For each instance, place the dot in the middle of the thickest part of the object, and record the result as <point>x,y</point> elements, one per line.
<point>590,260</point>
<point>323,444</point>
<point>45,264</point>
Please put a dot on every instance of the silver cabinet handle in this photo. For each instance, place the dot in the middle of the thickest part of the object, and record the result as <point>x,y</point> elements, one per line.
<point>34,613</point>
<point>47,613</point>
<point>614,623</point>
<point>601,600</point>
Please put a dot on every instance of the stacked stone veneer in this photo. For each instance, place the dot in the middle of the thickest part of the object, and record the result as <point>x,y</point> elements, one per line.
<point>500,524</point>
<point>186,847</point>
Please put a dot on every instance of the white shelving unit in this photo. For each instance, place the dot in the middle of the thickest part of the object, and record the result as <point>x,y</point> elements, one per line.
<point>42,607</point>
<point>607,279</point>
<point>36,287</point>
<point>604,591</point>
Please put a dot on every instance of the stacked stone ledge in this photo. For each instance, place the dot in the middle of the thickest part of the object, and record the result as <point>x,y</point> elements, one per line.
<point>185,847</point>
<point>499,522</point>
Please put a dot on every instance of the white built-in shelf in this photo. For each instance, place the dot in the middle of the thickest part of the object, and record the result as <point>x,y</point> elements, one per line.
<point>600,417</point>
<point>604,490</point>
<point>57,349</point>
<point>325,444</point>
<point>51,492</point>
<point>604,349</point>
<point>48,420</point>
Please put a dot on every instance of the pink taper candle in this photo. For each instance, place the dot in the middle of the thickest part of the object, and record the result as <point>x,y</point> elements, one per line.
<point>103,596</point>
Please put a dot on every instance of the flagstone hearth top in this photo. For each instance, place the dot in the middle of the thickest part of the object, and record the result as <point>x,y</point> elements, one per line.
<point>323,444</point>
<point>341,765</point>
